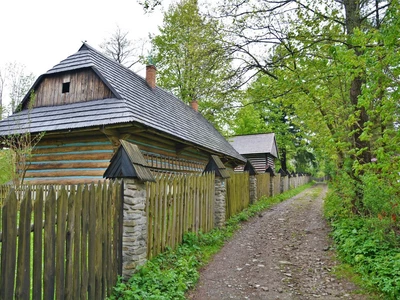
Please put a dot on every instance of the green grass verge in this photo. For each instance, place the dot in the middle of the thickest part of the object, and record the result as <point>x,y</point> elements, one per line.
<point>171,274</point>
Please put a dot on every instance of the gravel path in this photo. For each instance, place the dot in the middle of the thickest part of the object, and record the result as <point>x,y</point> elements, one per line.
<point>283,253</point>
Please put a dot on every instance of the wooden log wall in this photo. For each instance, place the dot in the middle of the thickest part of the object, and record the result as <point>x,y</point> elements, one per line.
<point>259,161</point>
<point>177,205</point>
<point>84,85</point>
<point>83,156</point>
<point>70,159</point>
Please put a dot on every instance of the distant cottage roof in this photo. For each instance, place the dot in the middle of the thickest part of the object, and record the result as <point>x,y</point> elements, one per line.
<point>134,101</point>
<point>255,144</point>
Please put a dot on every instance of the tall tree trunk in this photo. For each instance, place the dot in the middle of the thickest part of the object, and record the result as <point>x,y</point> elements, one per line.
<point>353,21</point>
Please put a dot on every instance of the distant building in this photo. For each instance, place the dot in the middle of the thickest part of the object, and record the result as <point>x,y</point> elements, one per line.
<point>260,149</point>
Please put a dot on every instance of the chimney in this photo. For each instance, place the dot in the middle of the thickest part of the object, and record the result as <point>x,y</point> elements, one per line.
<point>151,72</point>
<point>195,105</point>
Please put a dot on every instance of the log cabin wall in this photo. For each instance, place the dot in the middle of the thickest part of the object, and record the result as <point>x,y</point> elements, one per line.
<point>81,157</point>
<point>260,161</point>
<point>70,159</point>
<point>71,87</point>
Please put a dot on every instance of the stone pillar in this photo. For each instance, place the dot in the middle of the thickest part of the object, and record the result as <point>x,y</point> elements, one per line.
<point>253,189</point>
<point>271,185</point>
<point>134,236</point>
<point>219,202</point>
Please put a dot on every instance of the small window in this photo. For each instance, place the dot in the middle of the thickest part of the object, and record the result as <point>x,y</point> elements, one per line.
<point>65,87</point>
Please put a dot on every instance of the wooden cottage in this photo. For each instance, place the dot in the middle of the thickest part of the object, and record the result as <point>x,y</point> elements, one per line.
<point>88,103</point>
<point>260,149</point>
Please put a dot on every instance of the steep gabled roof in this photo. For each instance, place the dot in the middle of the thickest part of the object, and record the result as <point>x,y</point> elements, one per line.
<point>134,101</point>
<point>255,144</point>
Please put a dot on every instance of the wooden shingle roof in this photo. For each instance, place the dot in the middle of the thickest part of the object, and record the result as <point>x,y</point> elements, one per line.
<point>134,101</point>
<point>255,144</point>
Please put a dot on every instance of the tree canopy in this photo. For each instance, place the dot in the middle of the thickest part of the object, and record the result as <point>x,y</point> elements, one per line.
<point>192,62</point>
<point>336,64</point>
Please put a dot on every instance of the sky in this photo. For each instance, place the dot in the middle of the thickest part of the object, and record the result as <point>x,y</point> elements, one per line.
<point>41,33</point>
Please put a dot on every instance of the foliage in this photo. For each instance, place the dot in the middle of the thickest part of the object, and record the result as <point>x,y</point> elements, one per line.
<point>20,150</point>
<point>265,111</point>
<point>372,247</point>
<point>336,64</point>
<point>171,274</point>
<point>371,243</point>
<point>192,62</point>
<point>6,166</point>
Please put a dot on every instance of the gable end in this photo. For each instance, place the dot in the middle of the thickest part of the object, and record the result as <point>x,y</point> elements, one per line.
<point>71,87</point>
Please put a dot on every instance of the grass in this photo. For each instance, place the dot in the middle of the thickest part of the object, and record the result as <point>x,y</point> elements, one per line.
<point>171,274</point>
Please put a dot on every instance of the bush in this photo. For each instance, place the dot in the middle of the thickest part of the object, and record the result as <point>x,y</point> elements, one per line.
<point>371,247</point>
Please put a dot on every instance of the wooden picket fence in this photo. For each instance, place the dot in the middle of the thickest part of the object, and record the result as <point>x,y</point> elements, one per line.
<point>276,182</point>
<point>263,185</point>
<point>67,243</point>
<point>177,205</point>
<point>237,193</point>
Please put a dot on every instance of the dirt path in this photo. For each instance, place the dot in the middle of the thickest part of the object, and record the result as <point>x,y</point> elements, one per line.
<point>281,254</point>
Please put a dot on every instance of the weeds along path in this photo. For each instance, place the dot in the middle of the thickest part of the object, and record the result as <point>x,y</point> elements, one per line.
<point>283,253</point>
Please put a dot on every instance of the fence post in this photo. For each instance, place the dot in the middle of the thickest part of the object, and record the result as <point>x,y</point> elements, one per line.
<point>253,188</point>
<point>129,163</point>
<point>134,232</point>
<point>252,181</point>
<point>219,202</point>
<point>221,174</point>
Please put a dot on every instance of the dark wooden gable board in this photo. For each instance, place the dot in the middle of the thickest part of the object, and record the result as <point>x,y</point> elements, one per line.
<point>215,165</point>
<point>270,170</point>
<point>128,162</point>
<point>250,168</point>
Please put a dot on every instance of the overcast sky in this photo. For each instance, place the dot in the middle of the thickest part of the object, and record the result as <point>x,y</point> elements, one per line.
<point>41,33</point>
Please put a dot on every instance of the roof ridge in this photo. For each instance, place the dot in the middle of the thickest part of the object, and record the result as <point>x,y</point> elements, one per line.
<point>88,47</point>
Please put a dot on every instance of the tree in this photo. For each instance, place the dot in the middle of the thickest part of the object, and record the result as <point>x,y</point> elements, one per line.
<point>336,64</point>
<point>19,83</point>
<point>192,62</point>
<point>19,151</point>
<point>121,49</point>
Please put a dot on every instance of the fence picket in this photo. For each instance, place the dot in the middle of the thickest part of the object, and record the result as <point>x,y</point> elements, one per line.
<point>92,243</point>
<point>62,208</point>
<point>9,246</point>
<point>22,284</point>
<point>70,241</point>
<point>49,245</point>
<point>77,244</point>
<point>37,245</point>
<point>84,242</point>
